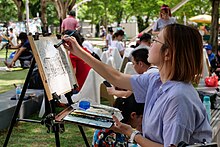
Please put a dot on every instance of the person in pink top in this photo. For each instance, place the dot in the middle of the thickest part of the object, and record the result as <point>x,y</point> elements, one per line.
<point>70,23</point>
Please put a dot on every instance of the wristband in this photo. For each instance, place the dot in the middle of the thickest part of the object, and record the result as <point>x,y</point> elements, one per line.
<point>133,134</point>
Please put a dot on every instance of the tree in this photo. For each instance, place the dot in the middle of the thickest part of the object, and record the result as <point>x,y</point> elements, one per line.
<point>43,15</point>
<point>215,25</point>
<point>34,7</point>
<point>7,7</point>
<point>20,7</point>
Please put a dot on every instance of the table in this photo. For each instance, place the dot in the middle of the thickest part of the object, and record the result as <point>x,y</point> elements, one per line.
<point>215,123</point>
<point>215,113</point>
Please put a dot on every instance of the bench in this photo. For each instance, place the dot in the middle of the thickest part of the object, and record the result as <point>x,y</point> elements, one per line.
<point>30,106</point>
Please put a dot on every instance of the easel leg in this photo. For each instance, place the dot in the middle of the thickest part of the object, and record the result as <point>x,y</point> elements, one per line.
<point>17,109</point>
<point>83,135</point>
<point>55,126</point>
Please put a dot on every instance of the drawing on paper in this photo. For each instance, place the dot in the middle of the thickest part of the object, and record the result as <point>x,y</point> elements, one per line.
<point>56,65</point>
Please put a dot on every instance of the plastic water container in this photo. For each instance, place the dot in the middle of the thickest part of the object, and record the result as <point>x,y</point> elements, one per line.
<point>18,92</point>
<point>207,104</point>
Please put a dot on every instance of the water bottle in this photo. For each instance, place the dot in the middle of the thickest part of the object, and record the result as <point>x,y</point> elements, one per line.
<point>207,104</point>
<point>18,92</point>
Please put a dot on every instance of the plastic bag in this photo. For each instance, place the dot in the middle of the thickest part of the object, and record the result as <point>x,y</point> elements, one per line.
<point>211,81</point>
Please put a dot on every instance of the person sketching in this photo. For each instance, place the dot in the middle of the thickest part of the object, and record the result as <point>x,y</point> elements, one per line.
<point>173,111</point>
<point>165,19</point>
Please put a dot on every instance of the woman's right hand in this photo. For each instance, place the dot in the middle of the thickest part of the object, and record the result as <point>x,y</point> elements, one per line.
<point>71,44</point>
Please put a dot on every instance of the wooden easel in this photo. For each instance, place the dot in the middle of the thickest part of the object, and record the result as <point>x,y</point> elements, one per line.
<point>49,121</point>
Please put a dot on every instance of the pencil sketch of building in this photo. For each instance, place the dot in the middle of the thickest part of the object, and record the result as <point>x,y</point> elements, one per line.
<point>56,65</point>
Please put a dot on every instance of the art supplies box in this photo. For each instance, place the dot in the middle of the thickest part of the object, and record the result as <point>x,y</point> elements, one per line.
<point>97,116</point>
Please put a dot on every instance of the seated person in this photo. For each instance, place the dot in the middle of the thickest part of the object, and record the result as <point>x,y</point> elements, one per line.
<point>23,52</point>
<point>141,66</point>
<point>132,113</point>
<point>211,55</point>
<point>215,64</point>
<point>137,41</point>
<point>145,41</point>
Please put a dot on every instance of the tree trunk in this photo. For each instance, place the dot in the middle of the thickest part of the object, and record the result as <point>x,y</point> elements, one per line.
<point>214,26</point>
<point>20,5</point>
<point>43,15</point>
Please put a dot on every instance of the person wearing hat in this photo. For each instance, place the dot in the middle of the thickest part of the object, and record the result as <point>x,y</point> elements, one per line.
<point>211,55</point>
<point>70,23</point>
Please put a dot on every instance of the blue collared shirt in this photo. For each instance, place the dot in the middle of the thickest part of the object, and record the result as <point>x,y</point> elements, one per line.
<point>173,111</point>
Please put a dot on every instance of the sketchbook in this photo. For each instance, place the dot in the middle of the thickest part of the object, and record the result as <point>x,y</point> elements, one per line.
<point>97,116</point>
